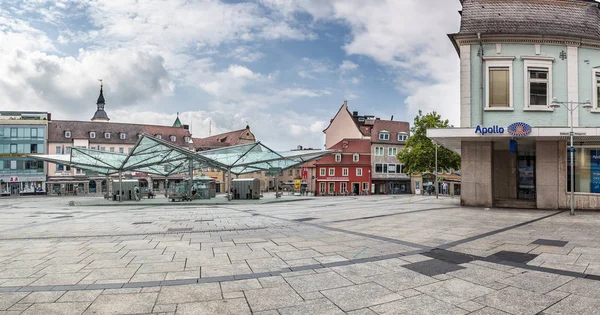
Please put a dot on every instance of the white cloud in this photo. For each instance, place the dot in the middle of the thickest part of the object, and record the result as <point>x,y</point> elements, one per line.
<point>355,80</point>
<point>348,65</point>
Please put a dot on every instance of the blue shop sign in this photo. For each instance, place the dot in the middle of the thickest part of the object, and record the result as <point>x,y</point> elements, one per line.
<point>485,130</point>
<point>517,129</point>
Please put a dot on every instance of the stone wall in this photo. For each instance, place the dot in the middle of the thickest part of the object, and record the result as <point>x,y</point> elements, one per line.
<point>476,168</point>
<point>547,174</point>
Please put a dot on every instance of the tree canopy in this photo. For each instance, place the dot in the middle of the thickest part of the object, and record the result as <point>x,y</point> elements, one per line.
<point>419,153</point>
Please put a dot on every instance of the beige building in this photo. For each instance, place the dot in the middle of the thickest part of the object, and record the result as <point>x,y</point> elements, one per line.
<point>346,125</point>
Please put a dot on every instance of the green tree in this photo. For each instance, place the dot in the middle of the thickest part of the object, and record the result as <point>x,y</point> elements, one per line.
<point>419,153</point>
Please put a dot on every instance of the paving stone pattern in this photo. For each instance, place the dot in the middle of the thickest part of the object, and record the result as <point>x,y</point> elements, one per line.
<point>344,255</point>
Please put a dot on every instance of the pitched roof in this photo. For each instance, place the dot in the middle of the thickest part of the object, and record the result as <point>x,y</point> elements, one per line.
<point>353,146</point>
<point>365,130</point>
<point>573,18</point>
<point>82,129</point>
<point>393,127</point>
<point>225,139</point>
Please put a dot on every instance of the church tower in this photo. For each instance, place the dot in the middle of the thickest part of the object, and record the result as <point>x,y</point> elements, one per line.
<point>100,114</point>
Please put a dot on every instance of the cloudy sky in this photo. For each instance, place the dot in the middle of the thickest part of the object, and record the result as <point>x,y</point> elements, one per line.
<point>282,66</point>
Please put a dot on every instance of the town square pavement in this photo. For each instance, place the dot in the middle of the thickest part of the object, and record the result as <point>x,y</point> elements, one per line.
<point>324,255</point>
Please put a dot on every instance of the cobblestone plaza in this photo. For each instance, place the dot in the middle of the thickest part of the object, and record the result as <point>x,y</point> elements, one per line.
<point>355,255</point>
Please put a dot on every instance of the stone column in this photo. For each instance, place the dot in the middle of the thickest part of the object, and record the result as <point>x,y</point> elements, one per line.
<point>476,168</point>
<point>547,174</point>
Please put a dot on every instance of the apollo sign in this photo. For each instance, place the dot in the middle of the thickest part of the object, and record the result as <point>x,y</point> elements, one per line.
<point>517,129</point>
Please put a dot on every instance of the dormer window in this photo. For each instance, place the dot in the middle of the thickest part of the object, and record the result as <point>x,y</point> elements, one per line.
<point>92,135</point>
<point>172,138</point>
<point>158,136</point>
<point>140,135</point>
<point>384,135</point>
<point>338,157</point>
<point>356,157</point>
<point>187,139</point>
<point>123,136</point>
<point>402,136</point>
<point>107,135</point>
<point>67,134</point>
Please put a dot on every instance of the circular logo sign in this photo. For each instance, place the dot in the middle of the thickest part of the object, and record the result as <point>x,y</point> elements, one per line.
<point>519,129</point>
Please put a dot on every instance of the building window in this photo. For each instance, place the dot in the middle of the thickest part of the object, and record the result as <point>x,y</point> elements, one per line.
<point>378,168</point>
<point>173,138</point>
<point>402,136</point>
<point>112,149</point>
<point>13,148</point>
<point>587,170</point>
<point>332,172</point>
<point>355,157</point>
<point>499,82</point>
<point>140,135</point>
<point>345,171</point>
<point>290,172</point>
<point>107,135</point>
<point>68,150</point>
<point>322,187</point>
<point>33,148</point>
<point>365,186</point>
<point>384,135</point>
<point>102,148</point>
<point>34,132</point>
<point>343,187</point>
<point>158,136</point>
<point>92,135</point>
<point>121,150</point>
<point>538,87</point>
<point>392,168</point>
<point>392,151</point>
<point>186,139</point>
<point>379,151</point>
<point>122,136</point>
<point>338,157</point>
<point>67,134</point>
<point>58,149</point>
<point>359,172</point>
<point>331,187</point>
<point>596,88</point>
<point>322,171</point>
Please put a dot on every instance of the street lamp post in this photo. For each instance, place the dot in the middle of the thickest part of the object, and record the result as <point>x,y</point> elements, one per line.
<point>571,107</point>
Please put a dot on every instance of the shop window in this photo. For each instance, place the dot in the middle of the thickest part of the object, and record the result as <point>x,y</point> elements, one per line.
<point>345,171</point>
<point>322,171</point>
<point>331,187</point>
<point>587,170</point>
<point>365,186</point>
<point>392,151</point>
<point>344,187</point>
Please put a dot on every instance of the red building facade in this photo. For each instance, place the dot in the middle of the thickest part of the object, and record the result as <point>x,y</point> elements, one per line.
<point>347,171</point>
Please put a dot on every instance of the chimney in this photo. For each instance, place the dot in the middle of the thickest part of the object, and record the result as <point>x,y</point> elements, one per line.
<point>299,147</point>
<point>186,127</point>
<point>345,103</point>
<point>49,116</point>
<point>392,118</point>
<point>355,114</point>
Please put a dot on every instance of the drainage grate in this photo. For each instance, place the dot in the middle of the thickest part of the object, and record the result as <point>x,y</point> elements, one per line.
<point>450,256</point>
<point>142,222</point>
<point>179,229</point>
<point>433,267</point>
<point>204,220</point>
<point>304,219</point>
<point>542,241</point>
<point>507,256</point>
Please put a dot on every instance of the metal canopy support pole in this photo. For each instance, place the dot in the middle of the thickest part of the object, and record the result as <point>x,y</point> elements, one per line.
<point>107,188</point>
<point>229,190</point>
<point>191,174</point>
<point>436,172</point>
<point>120,186</point>
<point>167,187</point>
<point>572,165</point>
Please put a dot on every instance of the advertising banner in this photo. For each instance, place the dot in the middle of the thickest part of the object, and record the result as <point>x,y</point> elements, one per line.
<point>595,171</point>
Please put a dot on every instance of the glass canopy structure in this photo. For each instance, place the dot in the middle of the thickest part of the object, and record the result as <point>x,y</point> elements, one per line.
<point>159,157</point>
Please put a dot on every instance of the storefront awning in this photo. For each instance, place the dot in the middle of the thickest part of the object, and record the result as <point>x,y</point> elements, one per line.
<point>451,138</point>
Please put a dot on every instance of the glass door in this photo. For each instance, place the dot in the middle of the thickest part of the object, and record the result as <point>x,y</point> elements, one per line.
<point>526,174</point>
